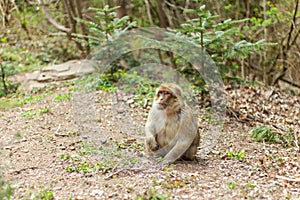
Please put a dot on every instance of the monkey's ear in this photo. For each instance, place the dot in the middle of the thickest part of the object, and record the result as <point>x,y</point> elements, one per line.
<point>176,90</point>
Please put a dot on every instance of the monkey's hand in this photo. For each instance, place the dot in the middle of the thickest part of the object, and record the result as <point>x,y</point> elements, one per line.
<point>151,144</point>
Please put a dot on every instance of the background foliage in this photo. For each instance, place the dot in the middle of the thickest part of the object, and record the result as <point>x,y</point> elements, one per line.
<point>249,40</point>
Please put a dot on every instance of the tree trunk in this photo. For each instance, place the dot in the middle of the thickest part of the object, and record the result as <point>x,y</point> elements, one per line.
<point>161,15</point>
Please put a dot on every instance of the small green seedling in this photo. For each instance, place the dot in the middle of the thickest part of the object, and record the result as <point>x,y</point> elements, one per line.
<point>35,113</point>
<point>231,185</point>
<point>238,156</point>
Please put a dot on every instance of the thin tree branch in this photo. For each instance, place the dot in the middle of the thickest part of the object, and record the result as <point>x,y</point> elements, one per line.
<point>290,83</point>
<point>70,12</point>
<point>148,12</point>
<point>287,46</point>
<point>293,24</point>
<point>52,21</point>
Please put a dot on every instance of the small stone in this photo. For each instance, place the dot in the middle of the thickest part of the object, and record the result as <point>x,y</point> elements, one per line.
<point>97,192</point>
<point>289,121</point>
<point>120,110</point>
<point>62,147</point>
<point>57,188</point>
<point>130,101</point>
<point>215,152</point>
<point>25,150</point>
<point>79,198</point>
<point>72,148</point>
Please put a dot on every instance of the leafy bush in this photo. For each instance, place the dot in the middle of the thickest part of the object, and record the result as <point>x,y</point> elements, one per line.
<point>105,25</point>
<point>265,134</point>
<point>219,39</point>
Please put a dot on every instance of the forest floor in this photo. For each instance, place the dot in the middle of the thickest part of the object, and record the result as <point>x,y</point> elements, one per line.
<point>43,156</point>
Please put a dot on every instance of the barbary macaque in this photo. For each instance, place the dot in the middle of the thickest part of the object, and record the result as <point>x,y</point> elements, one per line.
<point>171,128</point>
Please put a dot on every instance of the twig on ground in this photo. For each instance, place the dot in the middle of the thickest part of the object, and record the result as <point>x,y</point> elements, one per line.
<point>296,141</point>
<point>113,174</point>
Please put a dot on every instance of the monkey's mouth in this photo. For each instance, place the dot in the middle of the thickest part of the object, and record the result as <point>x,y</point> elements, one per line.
<point>161,106</point>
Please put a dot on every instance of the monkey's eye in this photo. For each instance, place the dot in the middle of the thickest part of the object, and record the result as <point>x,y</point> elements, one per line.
<point>164,93</point>
<point>161,92</point>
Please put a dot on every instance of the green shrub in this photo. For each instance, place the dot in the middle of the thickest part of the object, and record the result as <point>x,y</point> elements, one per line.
<point>6,191</point>
<point>265,134</point>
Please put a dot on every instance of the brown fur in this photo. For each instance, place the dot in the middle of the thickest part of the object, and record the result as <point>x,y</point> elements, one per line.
<point>171,128</point>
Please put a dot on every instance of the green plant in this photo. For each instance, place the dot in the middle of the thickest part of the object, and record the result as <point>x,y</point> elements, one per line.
<point>231,185</point>
<point>207,117</point>
<point>62,97</point>
<point>65,157</point>
<point>251,185</point>
<point>120,145</point>
<point>106,25</point>
<point>35,113</point>
<point>6,191</point>
<point>110,158</point>
<point>219,39</point>
<point>289,139</point>
<point>45,193</point>
<point>35,98</point>
<point>139,132</point>
<point>77,165</point>
<point>85,167</point>
<point>238,156</point>
<point>18,135</point>
<point>73,133</point>
<point>104,82</point>
<point>265,134</point>
<point>144,89</point>
<point>8,103</point>
<point>71,158</point>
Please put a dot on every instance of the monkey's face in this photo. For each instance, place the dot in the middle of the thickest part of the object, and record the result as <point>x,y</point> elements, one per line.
<point>163,98</point>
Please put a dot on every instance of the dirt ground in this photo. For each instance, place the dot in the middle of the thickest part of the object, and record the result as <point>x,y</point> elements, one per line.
<point>96,151</point>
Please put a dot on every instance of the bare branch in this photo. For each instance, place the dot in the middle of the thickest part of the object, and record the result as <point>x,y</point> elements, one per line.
<point>148,12</point>
<point>293,25</point>
<point>286,48</point>
<point>290,82</point>
<point>70,11</point>
<point>52,21</point>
